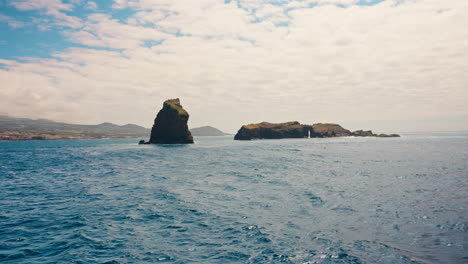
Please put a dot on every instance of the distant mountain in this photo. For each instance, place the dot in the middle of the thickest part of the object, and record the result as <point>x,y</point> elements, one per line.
<point>206,131</point>
<point>46,129</point>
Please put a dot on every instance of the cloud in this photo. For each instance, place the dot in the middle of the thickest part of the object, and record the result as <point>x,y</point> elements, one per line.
<point>120,4</point>
<point>54,8</point>
<point>40,4</point>
<point>13,23</point>
<point>396,60</point>
<point>100,30</point>
<point>90,5</point>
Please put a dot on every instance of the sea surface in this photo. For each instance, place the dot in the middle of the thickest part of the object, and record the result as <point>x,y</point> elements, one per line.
<point>333,200</point>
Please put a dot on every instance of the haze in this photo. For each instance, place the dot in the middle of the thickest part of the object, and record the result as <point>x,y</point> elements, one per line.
<point>389,66</point>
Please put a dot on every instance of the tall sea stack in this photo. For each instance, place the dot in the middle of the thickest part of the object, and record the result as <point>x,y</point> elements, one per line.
<point>170,125</point>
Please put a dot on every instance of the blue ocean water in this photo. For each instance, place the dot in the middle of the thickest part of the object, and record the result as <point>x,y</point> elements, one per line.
<point>335,200</point>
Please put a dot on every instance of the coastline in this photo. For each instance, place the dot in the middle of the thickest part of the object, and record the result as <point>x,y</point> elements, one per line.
<point>27,136</point>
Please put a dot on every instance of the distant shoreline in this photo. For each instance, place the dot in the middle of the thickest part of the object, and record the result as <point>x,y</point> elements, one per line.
<point>28,136</point>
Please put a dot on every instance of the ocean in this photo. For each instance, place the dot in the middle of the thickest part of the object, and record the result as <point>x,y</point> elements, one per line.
<point>331,200</point>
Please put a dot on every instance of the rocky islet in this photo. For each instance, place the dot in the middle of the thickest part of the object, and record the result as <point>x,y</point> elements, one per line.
<point>294,129</point>
<point>170,125</point>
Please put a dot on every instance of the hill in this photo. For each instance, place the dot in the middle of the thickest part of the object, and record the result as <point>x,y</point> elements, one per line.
<point>12,128</point>
<point>206,131</point>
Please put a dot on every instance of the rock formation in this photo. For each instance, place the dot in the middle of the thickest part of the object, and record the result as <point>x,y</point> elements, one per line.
<point>294,129</point>
<point>387,135</point>
<point>362,133</point>
<point>329,130</point>
<point>270,130</point>
<point>368,133</point>
<point>170,125</point>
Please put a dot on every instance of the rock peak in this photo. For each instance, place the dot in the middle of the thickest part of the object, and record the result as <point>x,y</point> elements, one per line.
<point>175,102</point>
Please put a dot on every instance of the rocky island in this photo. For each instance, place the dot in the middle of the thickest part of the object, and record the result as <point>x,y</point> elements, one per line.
<point>170,125</point>
<point>295,129</point>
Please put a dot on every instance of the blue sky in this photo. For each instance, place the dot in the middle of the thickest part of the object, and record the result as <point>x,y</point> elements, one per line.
<point>379,62</point>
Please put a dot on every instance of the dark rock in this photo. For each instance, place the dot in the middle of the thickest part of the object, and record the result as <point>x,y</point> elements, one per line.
<point>267,130</point>
<point>362,133</point>
<point>368,133</point>
<point>170,125</point>
<point>330,130</point>
<point>141,142</point>
<point>387,135</point>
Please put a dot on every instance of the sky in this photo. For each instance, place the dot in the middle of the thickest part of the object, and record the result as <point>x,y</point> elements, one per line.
<point>385,65</point>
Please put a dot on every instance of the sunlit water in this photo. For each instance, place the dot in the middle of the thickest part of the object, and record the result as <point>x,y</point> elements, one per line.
<point>335,200</point>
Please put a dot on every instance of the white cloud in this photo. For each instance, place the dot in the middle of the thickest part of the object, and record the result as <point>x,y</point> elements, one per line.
<point>120,4</point>
<point>90,5</point>
<point>336,2</point>
<point>10,21</point>
<point>100,30</point>
<point>385,62</point>
<point>54,8</point>
<point>40,4</point>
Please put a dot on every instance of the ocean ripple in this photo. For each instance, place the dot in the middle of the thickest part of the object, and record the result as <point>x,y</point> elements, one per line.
<point>343,200</point>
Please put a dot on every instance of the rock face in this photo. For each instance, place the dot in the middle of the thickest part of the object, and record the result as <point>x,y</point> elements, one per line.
<point>368,133</point>
<point>170,125</point>
<point>387,135</point>
<point>329,130</point>
<point>294,129</point>
<point>270,130</point>
<point>362,133</point>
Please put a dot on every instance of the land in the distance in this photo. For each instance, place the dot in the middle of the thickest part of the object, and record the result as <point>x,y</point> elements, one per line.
<point>207,131</point>
<point>12,128</point>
